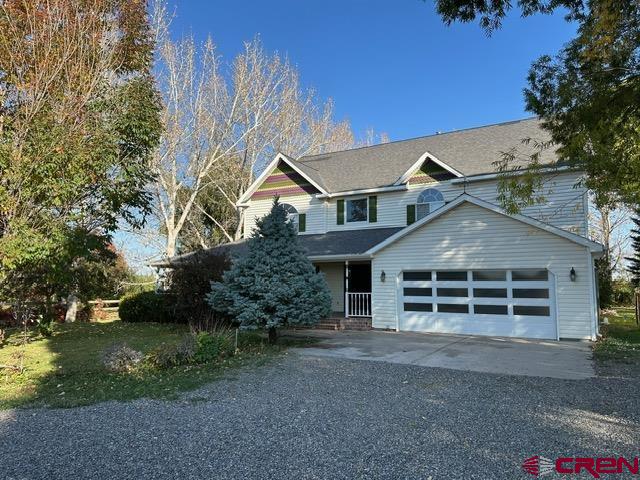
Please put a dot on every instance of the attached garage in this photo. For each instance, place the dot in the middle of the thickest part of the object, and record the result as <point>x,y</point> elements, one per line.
<point>518,303</point>
<point>469,268</point>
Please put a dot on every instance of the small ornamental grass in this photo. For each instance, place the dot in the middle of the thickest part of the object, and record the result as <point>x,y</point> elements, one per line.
<point>120,358</point>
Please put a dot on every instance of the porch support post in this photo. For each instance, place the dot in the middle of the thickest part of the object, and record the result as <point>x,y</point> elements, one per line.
<point>346,289</point>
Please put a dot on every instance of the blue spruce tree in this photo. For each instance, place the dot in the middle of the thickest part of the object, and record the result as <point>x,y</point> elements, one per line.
<point>634,261</point>
<point>274,285</point>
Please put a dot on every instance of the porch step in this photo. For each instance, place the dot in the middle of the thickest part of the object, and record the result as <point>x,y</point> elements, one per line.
<point>329,324</point>
<point>351,323</point>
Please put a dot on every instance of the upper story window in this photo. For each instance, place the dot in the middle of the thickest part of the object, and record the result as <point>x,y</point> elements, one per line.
<point>428,201</point>
<point>292,215</point>
<point>357,210</point>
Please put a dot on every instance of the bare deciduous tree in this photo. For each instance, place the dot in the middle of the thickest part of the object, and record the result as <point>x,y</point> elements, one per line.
<point>222,125</point>
<point>610,226</point>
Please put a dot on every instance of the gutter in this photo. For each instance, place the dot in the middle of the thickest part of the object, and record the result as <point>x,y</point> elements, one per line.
<point>513,173</point>
<point>339,258</point>
<point>391,188</point>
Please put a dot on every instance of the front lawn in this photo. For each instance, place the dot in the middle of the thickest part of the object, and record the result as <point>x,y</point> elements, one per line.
<point>65,370</point>
<point>621,338</point>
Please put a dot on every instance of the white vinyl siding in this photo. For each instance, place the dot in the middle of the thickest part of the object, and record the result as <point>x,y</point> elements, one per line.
<point>564,206</point>
<point>307,204</point>
<point>470,237</point>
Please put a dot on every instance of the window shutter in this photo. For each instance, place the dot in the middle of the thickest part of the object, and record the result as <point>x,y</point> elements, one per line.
<point>411,214</point>
<point>373,209</point>
<point>302,222</point>
<point>340,206</point>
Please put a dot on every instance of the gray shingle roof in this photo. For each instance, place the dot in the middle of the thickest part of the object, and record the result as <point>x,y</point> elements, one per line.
<point>471,152</point>
<point>348,242</point>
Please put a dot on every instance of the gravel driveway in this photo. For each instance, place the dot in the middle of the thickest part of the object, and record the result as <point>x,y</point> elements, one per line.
<point>325,418</point>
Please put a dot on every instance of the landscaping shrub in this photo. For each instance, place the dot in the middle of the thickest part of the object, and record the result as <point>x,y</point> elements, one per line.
<point>190,283</point>
<point>200,347</point>
<point>211,346</point>
<point>623,292</point>
<point>143,307</point>
<point>173,354</point>
<point>121,358</point>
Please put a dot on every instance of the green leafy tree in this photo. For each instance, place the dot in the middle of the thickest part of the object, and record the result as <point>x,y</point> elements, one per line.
<point>634,261</point>
<point>79,119</point>
<point>588,95</point>
<point>274,284</point>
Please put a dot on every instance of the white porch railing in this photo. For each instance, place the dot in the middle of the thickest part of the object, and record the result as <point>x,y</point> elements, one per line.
<point>358,304</point>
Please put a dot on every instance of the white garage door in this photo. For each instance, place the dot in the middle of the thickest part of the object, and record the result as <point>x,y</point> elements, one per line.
<point>514,303</point>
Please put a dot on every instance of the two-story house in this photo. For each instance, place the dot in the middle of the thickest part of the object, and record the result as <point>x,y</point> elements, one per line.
<point>410,234</point>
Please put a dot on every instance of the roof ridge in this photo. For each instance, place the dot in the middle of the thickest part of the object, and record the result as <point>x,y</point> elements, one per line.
<point>308,158</point>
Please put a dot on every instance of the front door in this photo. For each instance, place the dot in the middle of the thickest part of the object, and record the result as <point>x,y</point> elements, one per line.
<point>358,295</point>
<point>360,278</point>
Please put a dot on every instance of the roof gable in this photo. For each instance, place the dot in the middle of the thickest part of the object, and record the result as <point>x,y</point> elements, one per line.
<point>430,172</point>
<point>285,178</point>
<point>466,198</point>
<point>284,181</point>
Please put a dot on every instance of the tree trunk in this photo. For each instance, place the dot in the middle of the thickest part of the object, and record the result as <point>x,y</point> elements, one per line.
<point>238,232</point>
<point>72,308</point>
<point>170,248</point>
<point>273,335</point>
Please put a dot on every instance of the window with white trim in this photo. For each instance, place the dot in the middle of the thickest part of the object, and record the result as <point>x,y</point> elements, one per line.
<point>292,215</point>
<point>429,200</point>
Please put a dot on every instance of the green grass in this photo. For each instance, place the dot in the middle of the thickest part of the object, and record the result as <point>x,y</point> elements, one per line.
<point>621,338</point>
<point>65,370</point>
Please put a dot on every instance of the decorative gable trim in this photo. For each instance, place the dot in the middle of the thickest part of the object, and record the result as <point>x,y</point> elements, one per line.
<point>416,166</point>
<point>591,245</point>
<point>284,181</point>
<point>430,172</point>
<point>277,183</point>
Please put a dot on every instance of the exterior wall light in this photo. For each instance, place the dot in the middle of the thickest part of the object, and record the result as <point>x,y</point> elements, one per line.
<point>572,274</point>
<point>383,276</point>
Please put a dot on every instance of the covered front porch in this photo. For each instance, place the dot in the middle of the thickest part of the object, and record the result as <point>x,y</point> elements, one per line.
<point>350,285</point>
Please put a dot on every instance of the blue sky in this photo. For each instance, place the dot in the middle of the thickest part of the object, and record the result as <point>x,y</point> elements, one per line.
<point>388,64</point>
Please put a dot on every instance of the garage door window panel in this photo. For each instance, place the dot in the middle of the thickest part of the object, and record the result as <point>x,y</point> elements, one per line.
<point>451,276</point>
<point>530,293</point>
<point>418,307</point>
<point>490,292</point>
<point>452,292</point>
<point>417,292</point>
<point>453,308</point>
<point>530,310</point>
<point>529,275</point>
<point>489,276</point>
<point>412,276</point>
<point>491,309</point>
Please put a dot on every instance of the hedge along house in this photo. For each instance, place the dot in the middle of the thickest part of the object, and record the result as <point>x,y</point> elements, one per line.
<point>410,236</point>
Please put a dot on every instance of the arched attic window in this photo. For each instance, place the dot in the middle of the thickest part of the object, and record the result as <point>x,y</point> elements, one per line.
<point>292,215</point>
<point>429,200</point>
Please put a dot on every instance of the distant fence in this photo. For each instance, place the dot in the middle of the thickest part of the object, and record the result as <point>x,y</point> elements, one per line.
<point>104,309</point>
